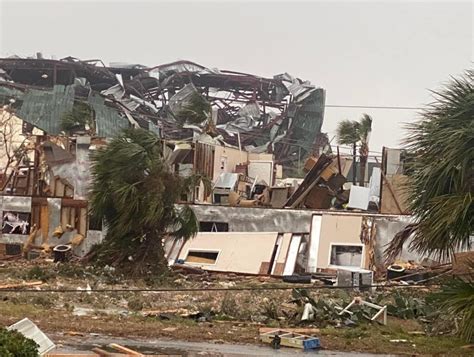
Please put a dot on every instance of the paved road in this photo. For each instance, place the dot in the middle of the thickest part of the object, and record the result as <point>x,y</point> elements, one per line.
<point>189,349</point>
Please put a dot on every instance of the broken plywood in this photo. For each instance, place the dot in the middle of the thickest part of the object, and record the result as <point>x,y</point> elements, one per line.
<point>242,252</point>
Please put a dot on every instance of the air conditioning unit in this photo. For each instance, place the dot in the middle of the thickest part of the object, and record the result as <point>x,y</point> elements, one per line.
<point>355,277</point>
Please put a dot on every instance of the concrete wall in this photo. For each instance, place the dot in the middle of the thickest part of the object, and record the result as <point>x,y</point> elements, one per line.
<point>248,219</point>
<point>337,229</point>
<point>386,229</point>
<point>238,252</point>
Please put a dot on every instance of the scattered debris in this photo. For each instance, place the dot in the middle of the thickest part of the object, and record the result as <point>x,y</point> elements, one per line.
<point>382,310</point>
<point>289,339</point>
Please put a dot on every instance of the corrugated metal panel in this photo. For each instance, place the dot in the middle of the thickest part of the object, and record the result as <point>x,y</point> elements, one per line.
<point>44,109</point>
<point>108,121</point>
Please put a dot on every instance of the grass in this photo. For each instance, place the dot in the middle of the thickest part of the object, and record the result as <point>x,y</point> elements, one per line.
<point>377,339</point>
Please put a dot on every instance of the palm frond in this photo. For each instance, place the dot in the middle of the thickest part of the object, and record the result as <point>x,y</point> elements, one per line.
<point>365,128</point>
<point>135,193</point>
<point>347,132</point>
<point>456,299</point>
<point>441,170</point>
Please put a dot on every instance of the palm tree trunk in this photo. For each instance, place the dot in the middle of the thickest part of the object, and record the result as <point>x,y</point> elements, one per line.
<point>363,165</point>
<point>364,157</point>
<point>354,164</point>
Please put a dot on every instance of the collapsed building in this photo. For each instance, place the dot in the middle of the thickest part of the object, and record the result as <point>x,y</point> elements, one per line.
<point>281,115</point>
<point>250,136</point>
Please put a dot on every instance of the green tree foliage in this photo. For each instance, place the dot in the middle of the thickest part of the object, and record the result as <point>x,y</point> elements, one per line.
<point>135,192</point>
<point>14,344</point>
<point>350,132</point>
<point>441,174</point>
<point>456,299</point>
<point>81,117</point>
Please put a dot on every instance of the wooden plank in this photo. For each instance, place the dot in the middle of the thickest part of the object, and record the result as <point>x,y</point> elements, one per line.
<point>69,202</point>
<point>72,354</point>
<point>21,285</point>
<point>264,267</point>
<point>73,216</point>
<point>65,211</point>
<point>82,228</point>
<point>124,349</point>
<point>104,353</point>
<point>301,330</point>
<point>290,339</point>
<point>44,222</point>
<point>59,188</point>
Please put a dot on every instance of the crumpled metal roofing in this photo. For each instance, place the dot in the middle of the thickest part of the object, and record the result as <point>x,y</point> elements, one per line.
<point>282,115</point>
<point>44,108</point>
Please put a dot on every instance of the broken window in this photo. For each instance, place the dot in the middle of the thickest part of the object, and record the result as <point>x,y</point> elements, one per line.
<point>346,255</point>
<point>202,257</point>
<point>213,226</point>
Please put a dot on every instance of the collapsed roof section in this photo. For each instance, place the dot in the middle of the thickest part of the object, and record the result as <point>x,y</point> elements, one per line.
<point>282,115</point>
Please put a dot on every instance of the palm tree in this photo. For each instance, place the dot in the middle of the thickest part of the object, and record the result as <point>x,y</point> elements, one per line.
<point>441,174</point>
<point>135,193</point>
<point>350,132</point>
<point>441,189</point>
<point>364,128</point>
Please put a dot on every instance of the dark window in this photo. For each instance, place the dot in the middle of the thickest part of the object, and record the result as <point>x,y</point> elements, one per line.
<point>203,257</point>
<point>95,224</point>
<point>346,255</point>
<point>213,226</point>
<point>12,249</point>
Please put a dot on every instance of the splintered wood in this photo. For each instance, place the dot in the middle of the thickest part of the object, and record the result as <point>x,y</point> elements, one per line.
<point>20,285</point>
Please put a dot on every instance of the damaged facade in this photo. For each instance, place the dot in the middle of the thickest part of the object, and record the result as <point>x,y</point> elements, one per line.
<point>253,135</point>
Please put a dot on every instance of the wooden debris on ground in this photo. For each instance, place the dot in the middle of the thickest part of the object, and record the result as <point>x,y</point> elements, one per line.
<point>301,330</point>
<point>277,338</point>
<point>20,285</point>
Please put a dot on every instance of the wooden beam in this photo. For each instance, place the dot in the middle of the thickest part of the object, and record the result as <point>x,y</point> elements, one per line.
<point>124,349</point>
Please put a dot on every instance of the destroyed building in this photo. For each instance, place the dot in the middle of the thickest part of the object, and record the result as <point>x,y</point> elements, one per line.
<point>282,115</point>
<point>249,137</point>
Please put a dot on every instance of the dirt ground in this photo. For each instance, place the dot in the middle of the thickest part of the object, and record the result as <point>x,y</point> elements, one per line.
<point>212,316</point>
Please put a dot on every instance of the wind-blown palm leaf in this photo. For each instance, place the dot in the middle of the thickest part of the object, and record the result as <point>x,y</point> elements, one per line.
<point>350,132</point>
<point>347,132</point>
<point>441,171</point>
<point>456,299</point>
<point>134,191</point>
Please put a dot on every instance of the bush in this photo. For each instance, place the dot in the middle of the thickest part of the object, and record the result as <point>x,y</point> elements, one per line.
<point>14,344</point>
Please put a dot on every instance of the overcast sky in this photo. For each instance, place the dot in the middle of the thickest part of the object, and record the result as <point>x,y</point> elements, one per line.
<point>362,53</point>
